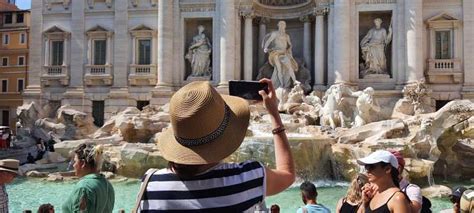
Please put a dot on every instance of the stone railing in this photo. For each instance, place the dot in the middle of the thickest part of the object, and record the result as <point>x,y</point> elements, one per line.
<point>444,70</point>
<point>98,69</point>
<point>142,74</point>
<point>55,73</point>
<point>443,65</point>
<point>98,75</point>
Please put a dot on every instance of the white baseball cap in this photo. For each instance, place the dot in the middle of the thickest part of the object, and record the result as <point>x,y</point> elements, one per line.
<point>379,156</point>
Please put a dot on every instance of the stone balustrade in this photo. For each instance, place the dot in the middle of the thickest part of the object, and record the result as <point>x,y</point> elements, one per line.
<point>97,75</point>
<point>55,73</point>
<point>444,70</point>
<point>142,75</point>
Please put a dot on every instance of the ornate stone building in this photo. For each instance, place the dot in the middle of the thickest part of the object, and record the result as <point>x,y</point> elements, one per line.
<point>101,56</point>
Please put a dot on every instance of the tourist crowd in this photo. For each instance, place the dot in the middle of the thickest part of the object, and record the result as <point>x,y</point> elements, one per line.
<point>197,179</point>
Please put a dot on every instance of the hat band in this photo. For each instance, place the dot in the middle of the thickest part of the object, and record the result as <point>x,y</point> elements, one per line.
<point>210,137</point>
<point>9,168</point>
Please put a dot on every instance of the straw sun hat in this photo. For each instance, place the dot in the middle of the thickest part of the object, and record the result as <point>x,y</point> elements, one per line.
<point>9,165</point>
<point>206,126</point>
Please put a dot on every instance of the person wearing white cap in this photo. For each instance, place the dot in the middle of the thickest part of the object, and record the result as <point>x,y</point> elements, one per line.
<point>382,194</point>
<point>8,172</point>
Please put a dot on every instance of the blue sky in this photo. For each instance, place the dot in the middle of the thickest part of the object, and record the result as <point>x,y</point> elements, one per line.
<point>23,4</point>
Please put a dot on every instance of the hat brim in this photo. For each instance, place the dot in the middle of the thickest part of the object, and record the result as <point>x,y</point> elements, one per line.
<point>9,170</point>
<point>368,160</point>
<point>216,150</point>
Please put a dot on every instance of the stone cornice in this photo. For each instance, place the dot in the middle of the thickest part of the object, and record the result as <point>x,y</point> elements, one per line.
<point>198,7</point>
<point>283,12</point>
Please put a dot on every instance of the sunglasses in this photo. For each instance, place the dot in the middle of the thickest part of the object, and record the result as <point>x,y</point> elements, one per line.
<point>370,167</point>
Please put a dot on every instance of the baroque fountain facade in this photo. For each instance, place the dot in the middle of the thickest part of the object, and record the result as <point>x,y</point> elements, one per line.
<point>356,76</point>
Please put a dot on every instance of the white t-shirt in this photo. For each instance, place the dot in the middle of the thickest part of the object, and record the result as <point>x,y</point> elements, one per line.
<point>413,191</point>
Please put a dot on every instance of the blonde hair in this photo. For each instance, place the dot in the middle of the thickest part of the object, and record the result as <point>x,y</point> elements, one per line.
<point>354,193</point>
<point>90,154</point>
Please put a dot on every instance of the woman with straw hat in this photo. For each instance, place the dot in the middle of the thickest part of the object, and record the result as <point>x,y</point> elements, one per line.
<point>207,127</point>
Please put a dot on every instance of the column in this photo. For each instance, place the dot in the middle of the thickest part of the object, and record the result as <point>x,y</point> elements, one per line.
<point>165,43</point>
<point>248,45</point>
<point>109,48</point>
<point>34,57</point>
<point>65,50</point>
<point>227,42</point>
<point>153,49</point>
<point>341,41</point>
<point>134,50</point>
<point>262,31</point>
<point>306,40</point>
<point>319,50</point>
<point>46,52</point>
<point>468,19</point>
<point>77,47</point>
<point>414,29</point>
<point>121,43</point>
<point>89,51</point>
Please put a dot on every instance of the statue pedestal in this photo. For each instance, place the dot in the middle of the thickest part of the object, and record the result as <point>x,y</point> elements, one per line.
<point>197,78</point>
<point>377,76</point>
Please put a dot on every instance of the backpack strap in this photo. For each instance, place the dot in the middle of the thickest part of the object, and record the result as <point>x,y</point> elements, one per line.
<point>143,189</point>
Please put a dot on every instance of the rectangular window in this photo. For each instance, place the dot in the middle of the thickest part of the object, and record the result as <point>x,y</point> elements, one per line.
<point>5,61</point>
<point>5,118</point>
<point>443,44</point>
<point>22,38</point>
<point>57,53</point>
<point>144,51</point>
<point>20,85</point>
<point>98,112</point>
<point>8,18</point>
<point>4,85</point>
<point>142,104</point>
<point>100,48</point>
<point>21,60</point>
<point>6,39</point>
<point>19,18</point>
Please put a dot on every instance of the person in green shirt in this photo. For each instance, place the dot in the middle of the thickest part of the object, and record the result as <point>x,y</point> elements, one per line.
<point>93,193</point>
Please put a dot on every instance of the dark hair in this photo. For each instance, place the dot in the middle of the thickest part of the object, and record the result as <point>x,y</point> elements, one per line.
<point>90,154</point>
<point>309,190</point>
<point>275,208</point>
<point>393,173</point>
<point>45,208</point>
<point>183,170</point>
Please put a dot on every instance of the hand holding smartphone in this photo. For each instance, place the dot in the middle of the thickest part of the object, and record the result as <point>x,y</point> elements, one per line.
<point>247,89</point>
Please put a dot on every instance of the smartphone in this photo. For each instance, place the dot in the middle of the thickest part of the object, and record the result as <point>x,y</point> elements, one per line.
<point>247,89</point>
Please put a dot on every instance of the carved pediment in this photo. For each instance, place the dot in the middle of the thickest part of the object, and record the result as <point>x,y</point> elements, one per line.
<point>443,20</point>
<point>55,29</point>
<point>97,29</point>
<point>141,27</point>
<point>142,30</point>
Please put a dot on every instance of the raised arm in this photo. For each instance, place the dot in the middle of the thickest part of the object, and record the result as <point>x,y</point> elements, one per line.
<point>284,175</point>
<point>266,42</point>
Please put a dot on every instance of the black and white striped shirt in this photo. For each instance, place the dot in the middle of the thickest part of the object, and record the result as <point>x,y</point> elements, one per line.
<point>227,187</point>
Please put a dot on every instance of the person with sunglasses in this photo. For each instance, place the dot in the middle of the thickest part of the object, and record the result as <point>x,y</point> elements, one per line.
<point>353,199</point>
<point>455,198</point>
<point>382,194</point>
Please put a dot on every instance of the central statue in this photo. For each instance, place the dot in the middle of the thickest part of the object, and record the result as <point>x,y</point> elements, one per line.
<point>278,45</point>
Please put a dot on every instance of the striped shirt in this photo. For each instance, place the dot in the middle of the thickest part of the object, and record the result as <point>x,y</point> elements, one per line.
<point>227,187</point>
<point>3,199</point>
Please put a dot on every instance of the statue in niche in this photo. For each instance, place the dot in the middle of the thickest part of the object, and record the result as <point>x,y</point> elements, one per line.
<point>373,49</point>
<point>199,54</point>
<point>366,109</point>
<point>278,45</point>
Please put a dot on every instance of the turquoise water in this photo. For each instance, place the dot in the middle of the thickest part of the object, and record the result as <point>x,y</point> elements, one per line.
<point>31,193</point>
